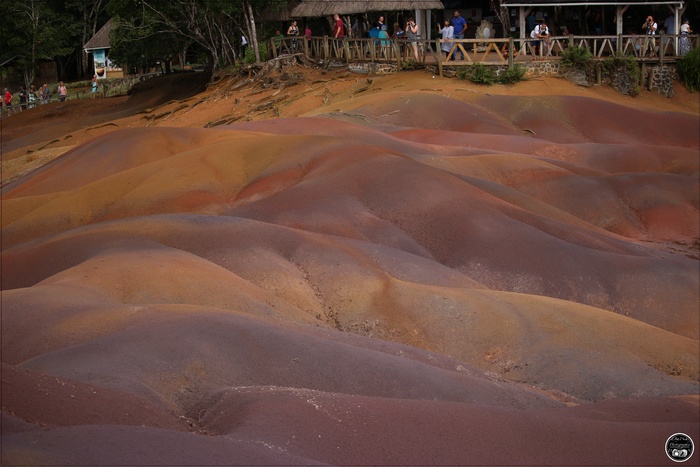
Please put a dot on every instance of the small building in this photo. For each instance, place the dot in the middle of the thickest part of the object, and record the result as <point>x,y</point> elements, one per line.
<point>99,46</point>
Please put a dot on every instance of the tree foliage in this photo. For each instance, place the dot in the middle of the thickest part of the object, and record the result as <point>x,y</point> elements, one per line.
<point>214,26</point>
<point>33,30</point>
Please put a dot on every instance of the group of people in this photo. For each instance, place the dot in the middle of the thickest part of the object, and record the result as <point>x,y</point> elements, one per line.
<point>454,28</point>
<point>293,32</point>
<point>651,28</point>
<point>29,98</point>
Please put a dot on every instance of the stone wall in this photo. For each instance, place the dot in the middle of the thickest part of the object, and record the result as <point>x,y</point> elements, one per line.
<point>660,79</point>
<point>373,68</point>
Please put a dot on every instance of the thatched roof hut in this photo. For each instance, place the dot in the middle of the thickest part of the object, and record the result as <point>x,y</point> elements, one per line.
<point>311,8</point>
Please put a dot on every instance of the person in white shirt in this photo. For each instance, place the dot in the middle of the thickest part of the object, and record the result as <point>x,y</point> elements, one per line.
<point>541,34</point>
<point>448,34</point>
<point>650,28</point>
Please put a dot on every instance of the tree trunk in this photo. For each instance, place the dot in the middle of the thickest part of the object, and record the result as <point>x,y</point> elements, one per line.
<point>503,16</point>
<point>252,33</point>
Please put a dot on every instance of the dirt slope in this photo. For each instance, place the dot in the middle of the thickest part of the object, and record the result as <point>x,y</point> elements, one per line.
<point>402,270</point>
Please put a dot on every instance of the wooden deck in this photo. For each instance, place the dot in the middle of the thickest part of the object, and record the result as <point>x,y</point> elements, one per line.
<point>658,49</point>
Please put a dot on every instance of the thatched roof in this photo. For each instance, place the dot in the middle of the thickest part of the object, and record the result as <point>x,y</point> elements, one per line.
<point>101,39</point>
<point>315,8</point>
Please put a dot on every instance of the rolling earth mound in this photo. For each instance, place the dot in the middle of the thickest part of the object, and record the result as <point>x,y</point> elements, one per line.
<point>391,281</point>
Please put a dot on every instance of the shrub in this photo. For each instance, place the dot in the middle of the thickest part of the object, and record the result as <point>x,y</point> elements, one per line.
<point>409,64</point>
<point>512,75</point>
<point>618,61</point>
<point>481,74</point>
<point>576,57</point>
<point>689,70</point>
<point>462,72</point>
<point>250,54</point>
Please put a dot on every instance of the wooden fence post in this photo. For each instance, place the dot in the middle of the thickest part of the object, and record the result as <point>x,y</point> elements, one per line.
<point>511,52</point>
<point>326,49</point>
<point>346,48</point>
<point>397,51</point>
<point>439,56</point>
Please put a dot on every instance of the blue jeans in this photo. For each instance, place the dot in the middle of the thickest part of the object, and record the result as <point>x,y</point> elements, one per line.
<point>459,36</point>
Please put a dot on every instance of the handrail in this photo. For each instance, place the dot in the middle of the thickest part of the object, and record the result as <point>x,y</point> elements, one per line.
<point>662,47</point>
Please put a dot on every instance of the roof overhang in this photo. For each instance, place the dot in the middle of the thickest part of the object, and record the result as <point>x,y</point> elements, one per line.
<point>344,7</point>
<point>594,3</point>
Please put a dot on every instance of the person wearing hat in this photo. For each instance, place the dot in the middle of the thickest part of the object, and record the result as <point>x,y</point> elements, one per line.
<point>685,40</point>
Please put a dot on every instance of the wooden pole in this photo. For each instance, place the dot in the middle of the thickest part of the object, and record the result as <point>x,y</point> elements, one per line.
<point>511,52</point>
<point>439,57</point>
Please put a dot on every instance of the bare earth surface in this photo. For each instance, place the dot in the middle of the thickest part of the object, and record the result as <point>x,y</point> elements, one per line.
<point>313,267</point>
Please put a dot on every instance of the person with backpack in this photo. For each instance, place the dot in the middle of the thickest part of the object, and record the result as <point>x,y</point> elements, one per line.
<point>541,35</point>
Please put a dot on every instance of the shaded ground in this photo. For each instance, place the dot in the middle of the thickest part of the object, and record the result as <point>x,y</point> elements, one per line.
<point>402,270</point>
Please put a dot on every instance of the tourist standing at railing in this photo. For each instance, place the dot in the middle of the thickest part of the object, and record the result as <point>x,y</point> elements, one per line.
<point>384,40</point>
<point>541,34</point>
<point>448,34</point>
<point>531,21</point>
<point>8,98</point>
<point>460,29</point>
<point>339,32</point>
<point>669,28</point>
<point>650,28</point>
<point>32,97</point>
<point>398,32</point>
<point>307,33</point>
<point>45,94</point>
<point>685,40</point>
<point>293,31</point>
<point>277,40</point>
<point>669,25</point>
<point>339,27</point>
<point>412,33</point>
<point>379,23</point>
<point>22,98</point>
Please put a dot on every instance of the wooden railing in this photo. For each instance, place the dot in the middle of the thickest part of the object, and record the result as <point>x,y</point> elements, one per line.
<point>489,51</point>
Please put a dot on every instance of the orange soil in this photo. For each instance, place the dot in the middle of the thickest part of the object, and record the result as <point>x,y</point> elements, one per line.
<point>399,270</point>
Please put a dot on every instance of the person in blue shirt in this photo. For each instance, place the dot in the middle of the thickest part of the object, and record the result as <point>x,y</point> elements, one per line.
<point>460,28</point>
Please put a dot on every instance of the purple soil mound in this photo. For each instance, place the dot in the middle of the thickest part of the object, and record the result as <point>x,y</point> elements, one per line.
<point>505,284</point>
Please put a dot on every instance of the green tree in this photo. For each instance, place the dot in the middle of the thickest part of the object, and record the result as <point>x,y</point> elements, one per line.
<point>213,25</point>
<point>34,30</point>
<point>138,38</point>
<point>86,16</point>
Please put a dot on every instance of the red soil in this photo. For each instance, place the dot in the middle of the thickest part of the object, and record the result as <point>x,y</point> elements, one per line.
<point>422,272</point>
